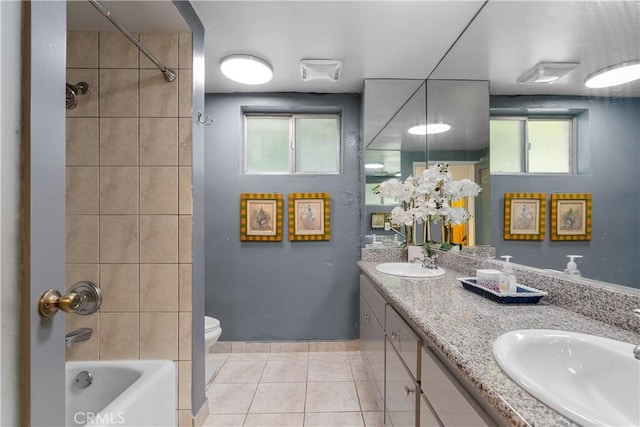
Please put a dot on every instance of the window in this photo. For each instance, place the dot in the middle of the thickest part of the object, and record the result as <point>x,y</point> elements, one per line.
<point>292,144</point>
<point>532,145</point>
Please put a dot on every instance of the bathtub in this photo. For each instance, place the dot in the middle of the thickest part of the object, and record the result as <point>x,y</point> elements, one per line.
<point>122,393</point>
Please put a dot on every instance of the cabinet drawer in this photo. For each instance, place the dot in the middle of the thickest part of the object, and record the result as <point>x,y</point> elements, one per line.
<point>451,402</point>
<point>405,341</point>
<point>427,417</point>
<point>401,395</point>
<point>373,298</point>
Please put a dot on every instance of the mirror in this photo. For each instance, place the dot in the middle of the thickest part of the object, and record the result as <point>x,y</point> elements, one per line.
<point>504,41</point>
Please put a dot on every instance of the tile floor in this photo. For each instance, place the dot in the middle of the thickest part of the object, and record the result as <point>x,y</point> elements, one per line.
<point>292,389</point>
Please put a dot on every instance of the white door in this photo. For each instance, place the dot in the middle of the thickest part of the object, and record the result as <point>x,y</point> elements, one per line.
<point>43,213</point>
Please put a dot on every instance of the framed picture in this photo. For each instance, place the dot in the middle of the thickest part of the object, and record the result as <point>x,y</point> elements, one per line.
<point>571,216</point>
<point>378,220</point>
<point>525,216</point>
<point>309,216</point>
<point>261,217</point>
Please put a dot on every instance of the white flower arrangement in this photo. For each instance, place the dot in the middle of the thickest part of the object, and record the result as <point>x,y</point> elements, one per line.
<point>428,199</point>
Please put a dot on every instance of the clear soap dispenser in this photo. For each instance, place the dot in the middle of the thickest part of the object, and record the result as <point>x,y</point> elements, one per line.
<point>572,268</point>
<point>507,278</point>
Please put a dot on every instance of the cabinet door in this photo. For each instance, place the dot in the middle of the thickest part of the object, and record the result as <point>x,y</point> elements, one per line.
<point>427,416</point>
<point>401,394</point>
<point>372,347</point>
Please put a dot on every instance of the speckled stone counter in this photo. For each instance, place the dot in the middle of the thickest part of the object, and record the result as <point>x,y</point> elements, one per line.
<point>463,325</point>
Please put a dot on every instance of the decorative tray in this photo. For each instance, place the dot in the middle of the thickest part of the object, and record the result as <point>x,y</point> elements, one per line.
<point>523,295</point>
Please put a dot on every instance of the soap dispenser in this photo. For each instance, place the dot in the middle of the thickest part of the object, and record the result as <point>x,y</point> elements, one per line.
<point>572,268</point>
<point>507,278</point>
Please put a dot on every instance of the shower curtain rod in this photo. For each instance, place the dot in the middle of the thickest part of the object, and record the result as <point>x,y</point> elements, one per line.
<point>169,74</point>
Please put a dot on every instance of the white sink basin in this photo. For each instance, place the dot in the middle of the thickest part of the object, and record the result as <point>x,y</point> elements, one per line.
<point>591,380</point>
<point>406,269</point>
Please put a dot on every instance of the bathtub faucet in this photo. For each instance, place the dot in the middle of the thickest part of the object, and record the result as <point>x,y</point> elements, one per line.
<point>80,334</point>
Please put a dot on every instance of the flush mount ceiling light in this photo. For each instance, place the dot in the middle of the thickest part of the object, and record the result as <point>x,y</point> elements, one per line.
<point>320,69</point>
<point>373,166</point>
<point>614,75</point>
<point>246,69</point>
<point>547,72</point>
<point>429,129</point>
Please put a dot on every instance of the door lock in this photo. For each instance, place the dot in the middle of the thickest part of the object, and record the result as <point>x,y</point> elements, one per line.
<point>83,298</point>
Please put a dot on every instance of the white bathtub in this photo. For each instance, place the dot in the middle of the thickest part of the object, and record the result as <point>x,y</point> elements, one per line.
<point>123,393</point>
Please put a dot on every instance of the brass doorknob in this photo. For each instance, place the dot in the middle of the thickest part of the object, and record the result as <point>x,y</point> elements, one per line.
<point>84,298</point>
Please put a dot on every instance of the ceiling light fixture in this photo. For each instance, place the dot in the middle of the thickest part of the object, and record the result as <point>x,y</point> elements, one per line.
<point>320,69</point>
<point>374,166</point>
<point>547,72</point>
<point>429,128</point>
<point>246,69</point>
<point>614,75</point>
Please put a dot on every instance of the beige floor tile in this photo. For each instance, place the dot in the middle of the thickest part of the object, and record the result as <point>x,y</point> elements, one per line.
<point>328,355</point>
<point>331,397</point>
<point>360,370</point>
<point>334,419</point>
<point>224,420</point>
<point>369,396</point>
<point>329,370</point>
<point>248,356</point>
<point>230,398</point>
<point>217,357</point>
<point>278,398</point>
<point>285,371</point>
<point>237,372</point>
<point>373,419</point>
<point>355,355</point>
<point>289,356</point>
<point>273,420</point>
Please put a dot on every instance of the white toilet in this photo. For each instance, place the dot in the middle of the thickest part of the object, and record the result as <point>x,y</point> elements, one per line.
<point>212,331</point>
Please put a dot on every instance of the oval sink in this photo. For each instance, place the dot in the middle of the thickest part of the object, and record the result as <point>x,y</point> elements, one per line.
<point>406,269</point>
<point>591,380</point>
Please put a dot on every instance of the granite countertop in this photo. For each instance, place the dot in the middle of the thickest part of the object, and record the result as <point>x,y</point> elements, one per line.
<point>463,326</point>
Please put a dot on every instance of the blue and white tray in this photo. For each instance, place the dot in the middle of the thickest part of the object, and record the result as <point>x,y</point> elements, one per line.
<point>523,295</point>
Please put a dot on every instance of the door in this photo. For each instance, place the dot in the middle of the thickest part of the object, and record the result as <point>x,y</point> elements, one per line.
<point>43,215</point>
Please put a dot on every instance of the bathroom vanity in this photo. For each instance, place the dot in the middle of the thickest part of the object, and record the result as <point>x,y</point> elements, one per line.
<point>428,343</point>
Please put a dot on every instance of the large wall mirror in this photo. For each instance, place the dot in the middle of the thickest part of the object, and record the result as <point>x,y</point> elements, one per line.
<point>600,152</point>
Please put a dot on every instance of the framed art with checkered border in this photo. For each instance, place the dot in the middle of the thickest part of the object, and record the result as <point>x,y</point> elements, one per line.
<point>571,216</point>
<point>309,216</point>
<point>261,217</point>
<point>525,216</point>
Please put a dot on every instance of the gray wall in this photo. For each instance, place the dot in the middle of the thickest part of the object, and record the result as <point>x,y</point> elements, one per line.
<point>281,290</point>
<point>610,159</point>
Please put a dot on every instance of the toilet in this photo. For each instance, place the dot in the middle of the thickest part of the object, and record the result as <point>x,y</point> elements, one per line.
<point>212,331</point>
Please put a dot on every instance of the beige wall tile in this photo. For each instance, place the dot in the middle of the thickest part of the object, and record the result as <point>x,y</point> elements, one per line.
<point>81,190</point>
<point>185,50</point>
<point>184,384</point>
<point>118,141</point>
<point>159,141</point>
<point>184,418</point>
<point>185,142</point>
<point>88,102</point>
<point>82,141</point>
<point>159,336</point>
<point>285,347</point>
<point>184,335</point>
<point>163,46</point>
<point>119,239</point>
<point>250,347</point>
<point>119,190</point>
<point>185,93</point>
<point>158,238</point>
<point>82,239</point>
<point>185,193</point>
<point>327,346</point>
<point>158,287</point>
<point>353,345</point>
<point>119,336</point>
<point>117,51</point>
<point>120,287</point>
<point>82,49</point>
<point>118,93</point>
<point>158,190</point>
<point>82,272</point>
<point>84,350</point>
<point>184,239</point>
<point>184,292</point>
<point>158,98</point>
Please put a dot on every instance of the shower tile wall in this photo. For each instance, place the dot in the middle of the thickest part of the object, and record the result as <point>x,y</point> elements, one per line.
<point>128,200</point>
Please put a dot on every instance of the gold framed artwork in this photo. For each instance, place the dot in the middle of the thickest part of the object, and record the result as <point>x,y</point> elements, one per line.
<point>571,216</point>
<point>378,219</point>
<point>309,216</point>
<point>525,216</point>
<point>261,217</point>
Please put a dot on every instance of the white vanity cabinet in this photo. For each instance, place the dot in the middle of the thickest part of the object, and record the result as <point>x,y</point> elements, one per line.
<point>372,312</point>
<point>402,391</point>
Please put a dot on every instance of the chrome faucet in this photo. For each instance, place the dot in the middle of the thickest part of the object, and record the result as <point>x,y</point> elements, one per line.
<point>80,334</point>
<point>428,261</point>
<point>636,350</point>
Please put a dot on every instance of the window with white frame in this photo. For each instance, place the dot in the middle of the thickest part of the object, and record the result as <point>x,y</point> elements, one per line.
<point>292,144</point>
<point>532,145</point>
